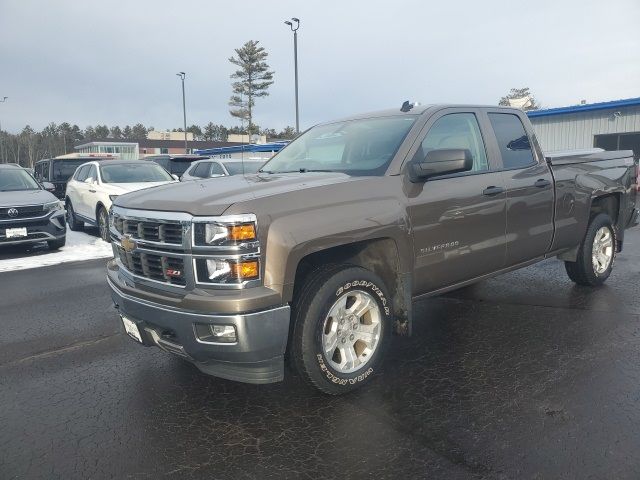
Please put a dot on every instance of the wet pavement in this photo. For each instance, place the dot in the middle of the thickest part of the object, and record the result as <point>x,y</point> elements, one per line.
<point>522,376</point>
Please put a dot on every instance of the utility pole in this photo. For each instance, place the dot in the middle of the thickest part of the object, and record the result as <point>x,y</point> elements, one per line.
<point>184,111</point>
<point>2,157</point>
<point>294,29</point>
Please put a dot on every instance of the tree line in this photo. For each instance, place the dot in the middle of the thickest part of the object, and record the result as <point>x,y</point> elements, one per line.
<point>29,146</point>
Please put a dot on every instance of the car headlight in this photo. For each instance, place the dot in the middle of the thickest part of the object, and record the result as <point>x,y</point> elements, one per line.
<point>227,271</point>
<point>225,231</point>
<point>113,197</point>
<point>52,206</point>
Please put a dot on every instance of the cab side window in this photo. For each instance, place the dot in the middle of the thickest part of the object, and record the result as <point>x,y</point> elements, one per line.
<point>201,170</point>
<point>457,130</point>
<point>513,141</point>
<point>92,173</point>
<point>81,173</point>
<point>216,169</point>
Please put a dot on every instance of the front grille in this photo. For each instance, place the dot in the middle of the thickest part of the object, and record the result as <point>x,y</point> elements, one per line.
<point>162,232</point>
<point>29,211</point>
<point>154,266</point>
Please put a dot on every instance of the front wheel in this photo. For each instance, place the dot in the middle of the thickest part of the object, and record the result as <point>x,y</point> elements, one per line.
<point>342,326</point>
<point>103,224</point>
<point>597,253</point>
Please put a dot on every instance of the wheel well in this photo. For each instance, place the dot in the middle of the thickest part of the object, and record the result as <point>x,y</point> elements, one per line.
<point>99,205</point>
<point>379,256</point>
<point>609,204</point>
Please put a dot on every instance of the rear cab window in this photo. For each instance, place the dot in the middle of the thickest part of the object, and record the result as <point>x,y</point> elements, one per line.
<point>513,141</point>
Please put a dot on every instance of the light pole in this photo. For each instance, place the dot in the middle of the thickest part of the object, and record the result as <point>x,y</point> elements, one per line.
<point>184,111</point>
<point>294,24</point>
<point>4,99</point>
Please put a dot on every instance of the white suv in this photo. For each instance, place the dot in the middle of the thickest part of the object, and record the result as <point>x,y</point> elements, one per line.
<point>94,185</point>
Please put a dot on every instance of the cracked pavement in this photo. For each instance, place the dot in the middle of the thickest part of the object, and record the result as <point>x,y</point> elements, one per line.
<point>522,376</point>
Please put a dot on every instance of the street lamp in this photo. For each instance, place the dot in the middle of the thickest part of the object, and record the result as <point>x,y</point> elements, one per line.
<point>184,111</point>
<point>4,99</point>
<point>294,24</point>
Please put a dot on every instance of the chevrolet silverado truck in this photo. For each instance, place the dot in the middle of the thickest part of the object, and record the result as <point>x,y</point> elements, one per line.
<point>316,259</point>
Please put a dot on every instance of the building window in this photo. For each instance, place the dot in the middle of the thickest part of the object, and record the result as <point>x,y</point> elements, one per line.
<point>164,150</point>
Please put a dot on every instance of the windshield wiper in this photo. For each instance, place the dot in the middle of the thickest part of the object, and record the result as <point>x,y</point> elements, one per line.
<point>300,170</point>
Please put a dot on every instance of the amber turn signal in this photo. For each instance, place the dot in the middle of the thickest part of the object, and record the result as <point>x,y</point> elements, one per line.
<point>246,231</point>
<point>245,270</point>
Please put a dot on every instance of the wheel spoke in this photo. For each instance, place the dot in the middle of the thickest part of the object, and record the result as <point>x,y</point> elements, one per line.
<point>361,306</point>
<point>330,343</point>
<point>348,357</point>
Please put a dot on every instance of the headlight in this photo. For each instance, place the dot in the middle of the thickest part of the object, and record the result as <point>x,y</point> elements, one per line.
<point>51,206</point>
<point>227,271</point>
<point>225,231</point>
<point>113,197</point>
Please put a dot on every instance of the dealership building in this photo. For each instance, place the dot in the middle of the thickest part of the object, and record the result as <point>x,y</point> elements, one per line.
<point>611,125</point>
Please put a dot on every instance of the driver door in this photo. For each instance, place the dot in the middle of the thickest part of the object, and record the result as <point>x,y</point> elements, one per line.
<point>458,220</point>
<point>87,194</point>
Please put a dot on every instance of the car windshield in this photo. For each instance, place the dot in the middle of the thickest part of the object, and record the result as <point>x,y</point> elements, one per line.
<point>15,179</point>
<point>63,169</point>
<point>238,168</point>
<point>134,173</point>
<point>356,147</point>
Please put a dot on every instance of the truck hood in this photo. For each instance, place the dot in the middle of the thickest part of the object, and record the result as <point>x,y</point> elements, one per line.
<point>213,196</point>
<point>25,197</point>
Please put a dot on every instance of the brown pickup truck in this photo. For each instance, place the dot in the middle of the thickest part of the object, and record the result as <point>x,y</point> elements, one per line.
<point>318,257</point>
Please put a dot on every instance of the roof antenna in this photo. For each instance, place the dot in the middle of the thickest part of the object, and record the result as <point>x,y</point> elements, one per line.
<point>406,106</point>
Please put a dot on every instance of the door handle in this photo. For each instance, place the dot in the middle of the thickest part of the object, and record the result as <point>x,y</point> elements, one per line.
<point>492,191</point>
<point>541,183</point>
<point>92,191</point>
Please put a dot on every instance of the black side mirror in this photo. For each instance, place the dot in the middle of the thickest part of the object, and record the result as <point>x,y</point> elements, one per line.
<point>48,186</point>
<point>442,161</point>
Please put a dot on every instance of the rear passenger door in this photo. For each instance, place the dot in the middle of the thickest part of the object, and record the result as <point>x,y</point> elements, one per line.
<point>458,220</point>
<point>529,184</point>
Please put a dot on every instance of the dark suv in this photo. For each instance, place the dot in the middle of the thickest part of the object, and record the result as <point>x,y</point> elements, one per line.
<point>28,212</point>
<point>175,164</point>
<point>58,171</point>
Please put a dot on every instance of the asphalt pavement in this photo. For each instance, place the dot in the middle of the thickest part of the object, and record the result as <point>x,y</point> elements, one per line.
<point>525,376</point>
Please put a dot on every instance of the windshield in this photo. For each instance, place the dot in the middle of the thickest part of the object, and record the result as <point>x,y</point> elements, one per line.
<point>178,167</point>
<point>236,168</point>
<point>14,179</point>
<point>63,169</point>
<point>356,147</point>
<point>134,173</point>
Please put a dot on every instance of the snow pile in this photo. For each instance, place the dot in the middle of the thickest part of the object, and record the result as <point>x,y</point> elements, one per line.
<point>80,246</point>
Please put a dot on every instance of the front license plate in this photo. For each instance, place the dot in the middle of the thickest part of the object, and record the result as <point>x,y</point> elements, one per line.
<point>132,329</point>
<point>16,232</point>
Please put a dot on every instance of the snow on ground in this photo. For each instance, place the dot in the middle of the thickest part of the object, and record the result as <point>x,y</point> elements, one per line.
<point>80,246</point>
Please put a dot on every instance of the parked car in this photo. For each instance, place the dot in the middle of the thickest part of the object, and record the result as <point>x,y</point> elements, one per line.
<point>175,164</point>
<point>219,168</point>
<point>57,171</point>
<point>28,212</point>
<point>94,185</point>
<point>321,254</point>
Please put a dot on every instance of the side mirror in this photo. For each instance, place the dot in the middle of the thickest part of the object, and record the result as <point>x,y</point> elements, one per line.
<point>48,186</point>
<point>442,161</point>
<point>90,180</point>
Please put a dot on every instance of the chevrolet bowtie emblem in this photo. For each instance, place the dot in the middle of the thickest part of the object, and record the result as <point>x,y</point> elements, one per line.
<point>128,244</point>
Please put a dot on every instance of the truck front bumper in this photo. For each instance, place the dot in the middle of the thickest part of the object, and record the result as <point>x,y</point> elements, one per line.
<point>257,356</point>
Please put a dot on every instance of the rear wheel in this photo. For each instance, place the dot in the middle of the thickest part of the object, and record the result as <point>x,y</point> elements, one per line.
<point>72,221</point>
<point>103,224</point>
<point>342,325</point>
<point>597,253</point>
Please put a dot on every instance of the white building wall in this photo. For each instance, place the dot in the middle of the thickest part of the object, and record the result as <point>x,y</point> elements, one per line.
<point>576,130</point>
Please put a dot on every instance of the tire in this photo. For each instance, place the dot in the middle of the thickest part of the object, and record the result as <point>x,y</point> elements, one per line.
<point>72,221</point>
<point>57,244</point>
<point>318,321</point>
<point>103,224</point>
<point>597,253</point>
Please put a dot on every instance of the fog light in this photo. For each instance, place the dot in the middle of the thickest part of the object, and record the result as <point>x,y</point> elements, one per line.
<point>216,333</point>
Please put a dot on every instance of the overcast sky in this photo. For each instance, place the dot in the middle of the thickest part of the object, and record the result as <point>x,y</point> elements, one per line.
<point>114,62</point>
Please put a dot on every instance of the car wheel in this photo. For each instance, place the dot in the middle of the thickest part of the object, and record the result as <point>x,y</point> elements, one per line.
<point>57,244</point>
<point>103,224</point>
<point>72,221</point>
<point>342,326</point>
<point>597,253</point>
